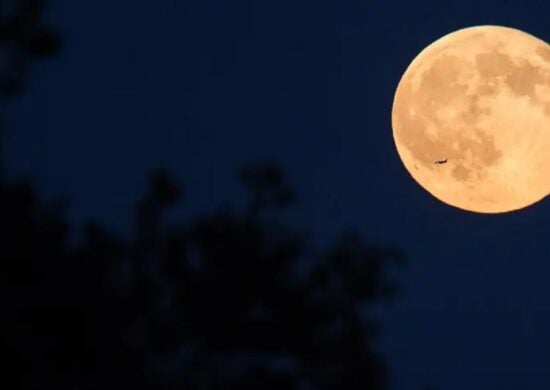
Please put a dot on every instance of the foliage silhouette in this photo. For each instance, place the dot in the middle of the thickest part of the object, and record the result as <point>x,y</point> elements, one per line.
<point>24,40</point>
<point>226,301</point>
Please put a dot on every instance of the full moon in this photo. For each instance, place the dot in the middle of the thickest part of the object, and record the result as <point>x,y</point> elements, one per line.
<point>471,119</point>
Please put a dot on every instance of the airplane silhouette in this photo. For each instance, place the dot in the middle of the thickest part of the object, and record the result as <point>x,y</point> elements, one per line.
<point>441,161</point>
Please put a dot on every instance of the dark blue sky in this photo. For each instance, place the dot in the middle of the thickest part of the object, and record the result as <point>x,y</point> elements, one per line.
<point>202,86</point>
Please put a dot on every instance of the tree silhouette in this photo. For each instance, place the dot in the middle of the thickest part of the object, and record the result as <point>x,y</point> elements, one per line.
<point>24,40</point>
<point>226,301</point>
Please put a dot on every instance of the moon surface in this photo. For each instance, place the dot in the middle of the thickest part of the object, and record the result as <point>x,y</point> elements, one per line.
<point>479,99</point>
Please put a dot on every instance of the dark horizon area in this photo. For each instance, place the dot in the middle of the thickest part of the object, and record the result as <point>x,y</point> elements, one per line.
<point>203,88</point>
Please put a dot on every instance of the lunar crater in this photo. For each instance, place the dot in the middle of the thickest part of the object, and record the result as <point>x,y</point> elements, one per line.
<point>481,98</point>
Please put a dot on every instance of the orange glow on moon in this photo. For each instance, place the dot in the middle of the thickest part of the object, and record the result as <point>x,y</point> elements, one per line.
<point>471,119</point>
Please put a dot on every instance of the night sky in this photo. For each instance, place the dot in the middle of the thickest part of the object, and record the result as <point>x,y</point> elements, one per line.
<point>202,86</point>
